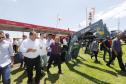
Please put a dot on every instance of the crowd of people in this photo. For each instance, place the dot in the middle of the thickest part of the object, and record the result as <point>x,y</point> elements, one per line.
<point>41,52</point>
<point>111,46</point>
<point>33,52</point>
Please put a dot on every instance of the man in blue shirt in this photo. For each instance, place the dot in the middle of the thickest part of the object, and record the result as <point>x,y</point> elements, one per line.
<point>117,52</point>
<point>6,52</point>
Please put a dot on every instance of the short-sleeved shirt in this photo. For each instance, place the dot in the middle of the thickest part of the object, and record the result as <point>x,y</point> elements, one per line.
<point>28,43</point>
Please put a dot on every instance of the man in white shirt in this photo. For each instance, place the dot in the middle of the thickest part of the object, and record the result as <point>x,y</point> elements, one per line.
<point>6,52</point>
<point>31,51</point>
<point>21,57</point>
<point>49,42</point>
<point>8,38</point>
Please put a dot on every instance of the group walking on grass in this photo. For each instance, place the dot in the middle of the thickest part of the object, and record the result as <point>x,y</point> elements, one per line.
<point>40,52</point>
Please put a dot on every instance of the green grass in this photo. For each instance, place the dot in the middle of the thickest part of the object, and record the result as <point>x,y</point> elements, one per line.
<point>83,70</point>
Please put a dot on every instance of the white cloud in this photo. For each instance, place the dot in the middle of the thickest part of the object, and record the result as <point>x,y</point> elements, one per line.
<point>14,0</point>
<point>83,23</point>
<point>114,12</point>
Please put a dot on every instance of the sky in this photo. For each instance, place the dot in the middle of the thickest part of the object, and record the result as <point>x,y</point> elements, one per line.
<point>72,13</point>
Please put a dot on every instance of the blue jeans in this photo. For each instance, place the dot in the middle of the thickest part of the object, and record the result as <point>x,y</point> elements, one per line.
<point>5,72</point>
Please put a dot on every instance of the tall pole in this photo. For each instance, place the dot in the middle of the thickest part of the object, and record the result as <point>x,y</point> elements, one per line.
<point>57,20</point>
<point>118,24</point>
<point>86,18</point>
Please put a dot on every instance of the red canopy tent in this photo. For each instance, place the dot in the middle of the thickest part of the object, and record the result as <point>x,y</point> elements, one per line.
<point>24,27</point>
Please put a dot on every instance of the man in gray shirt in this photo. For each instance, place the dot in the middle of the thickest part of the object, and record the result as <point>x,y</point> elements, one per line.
<point>95,49</point>
<point>6,52</point>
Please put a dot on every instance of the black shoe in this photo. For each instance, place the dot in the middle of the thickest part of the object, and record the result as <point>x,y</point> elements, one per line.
<point>60,72</point>
<point>48,71</point>
<point>91,57</point>
<point>29,82</point>
<point>42,75</point>
<point>21,66</point>
<point>108,65</point>
<point>44,68</point>
<point>96,61</point>
<point>104,60</point>
<point>37,81</point>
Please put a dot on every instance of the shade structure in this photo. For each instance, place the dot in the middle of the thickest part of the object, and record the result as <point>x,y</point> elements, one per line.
<point>25,27</point>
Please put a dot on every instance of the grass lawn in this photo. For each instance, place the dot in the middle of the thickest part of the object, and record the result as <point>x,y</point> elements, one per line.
<point>83,70</point>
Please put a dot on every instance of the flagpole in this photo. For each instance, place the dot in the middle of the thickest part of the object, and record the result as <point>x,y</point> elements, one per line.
<point>86,17</point>
<point>57,21</point>
<point>118,23</point>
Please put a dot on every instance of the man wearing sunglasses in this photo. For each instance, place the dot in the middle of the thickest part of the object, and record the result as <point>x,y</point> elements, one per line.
<point>6,52</point>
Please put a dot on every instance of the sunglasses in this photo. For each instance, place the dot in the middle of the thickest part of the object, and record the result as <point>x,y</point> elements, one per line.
<point>1,37</point>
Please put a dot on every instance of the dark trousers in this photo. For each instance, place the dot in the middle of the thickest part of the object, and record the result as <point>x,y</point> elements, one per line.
<point>96,55</point>
<point>15,48</point>
<point>120,61</point>
<point>109,52</point>
<point>30,63</point>
<point>22,63</point>
<point>56,58</point>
